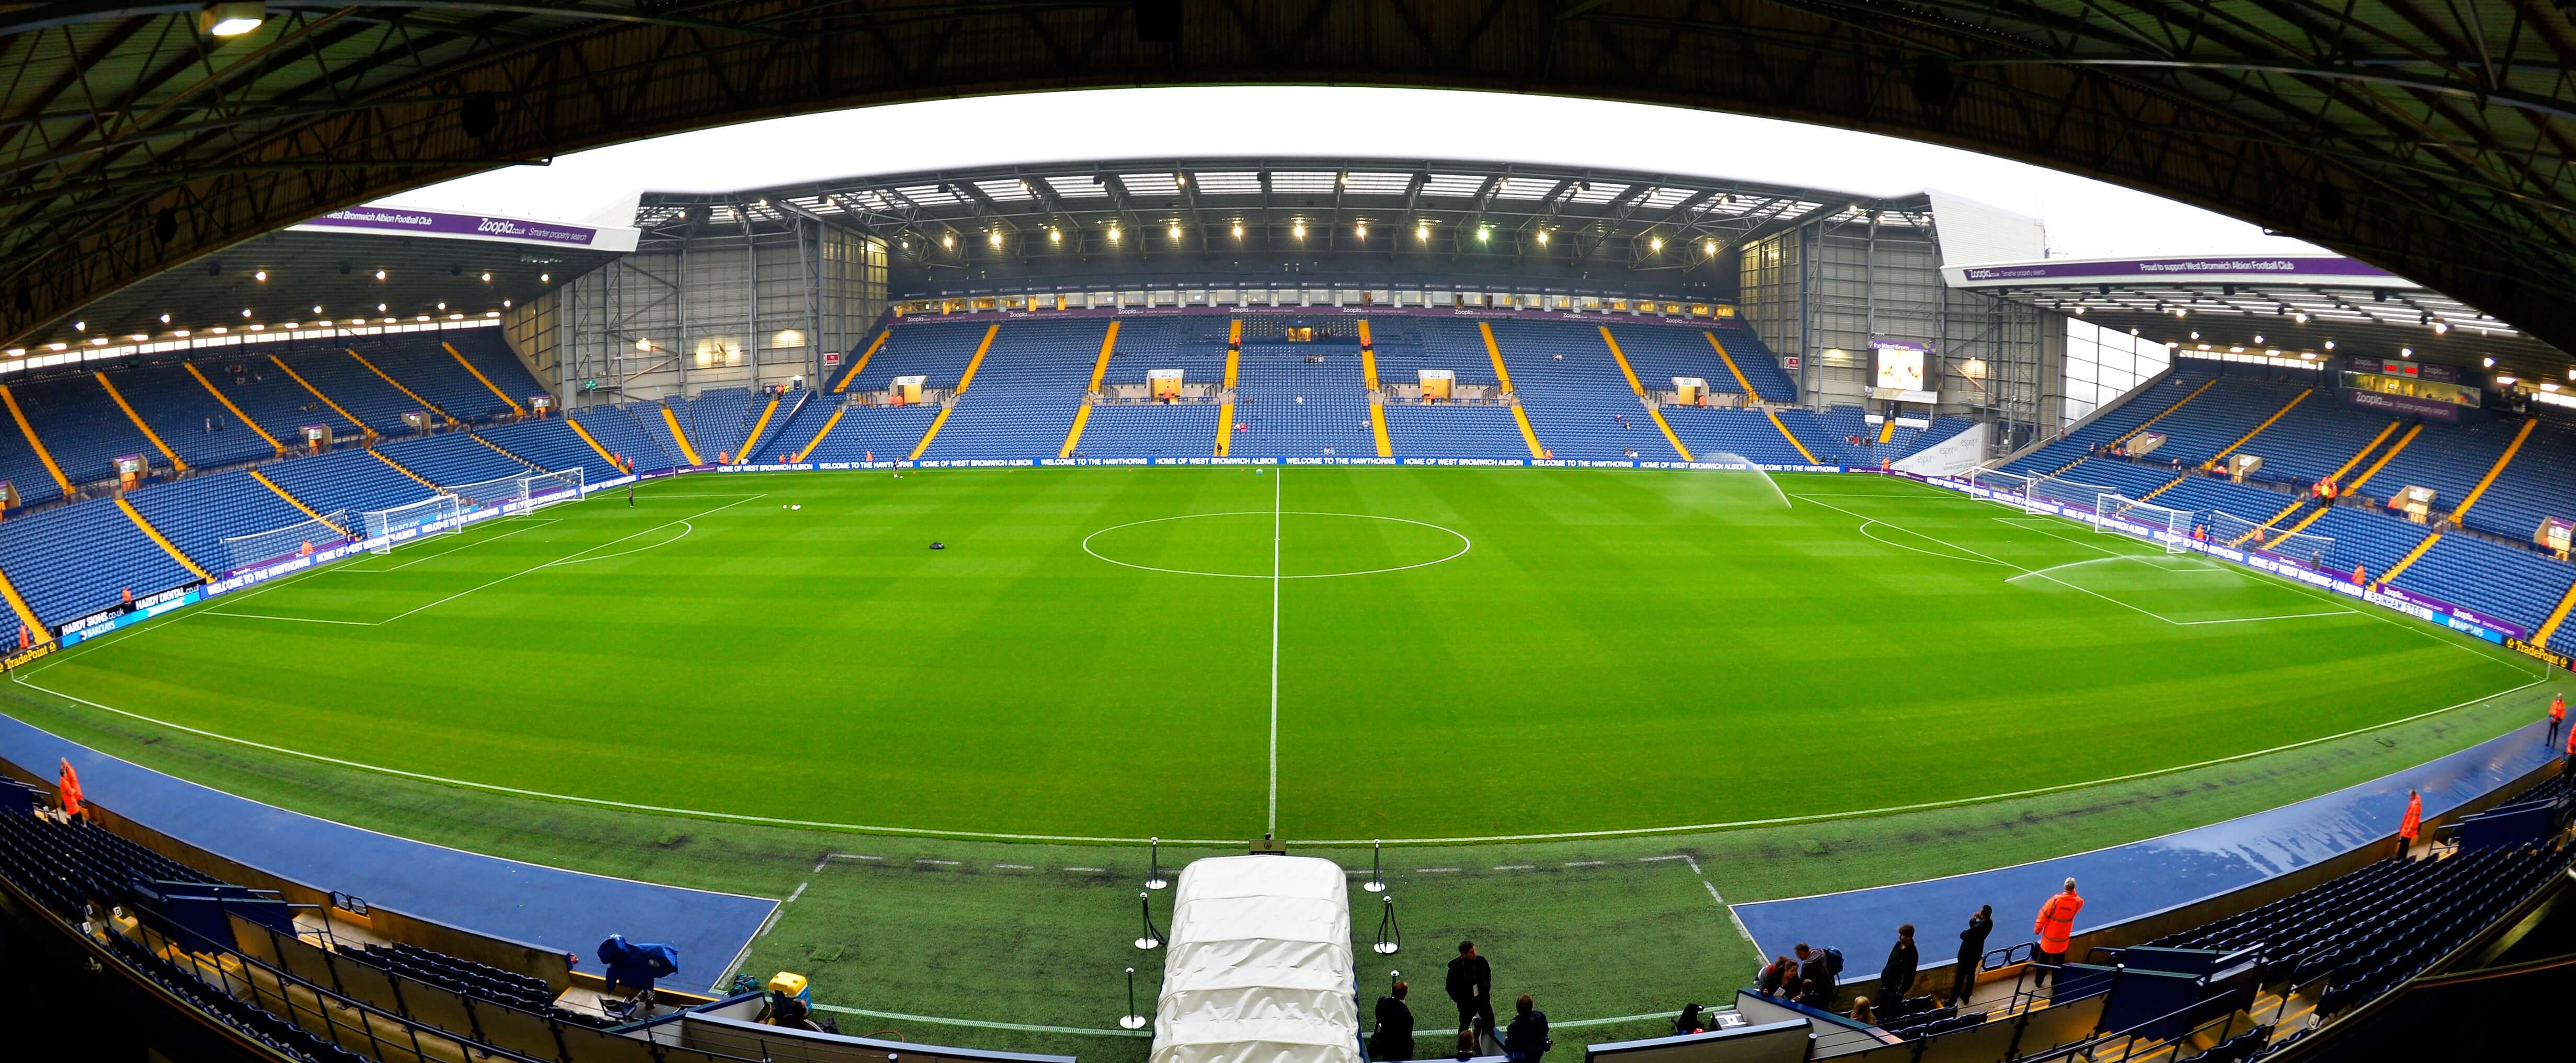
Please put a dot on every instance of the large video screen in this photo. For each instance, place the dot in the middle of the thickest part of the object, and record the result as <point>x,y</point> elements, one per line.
<point>1900,368</point>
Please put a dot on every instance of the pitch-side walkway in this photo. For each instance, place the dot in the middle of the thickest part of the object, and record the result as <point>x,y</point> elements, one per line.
<point>526,903</point>
<point>2132,881</point>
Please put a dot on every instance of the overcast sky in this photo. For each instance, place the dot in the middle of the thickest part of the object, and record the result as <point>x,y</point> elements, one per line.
<point>2085,218</point>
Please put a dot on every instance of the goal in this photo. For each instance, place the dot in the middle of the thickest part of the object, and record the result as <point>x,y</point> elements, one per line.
<point>2010,488</point>
<point>522,493</point>
<point>328,530</point>
<point>2309,548</point>
<point>2118,514</point>
<point>549,488</point>
<point>436,515</point>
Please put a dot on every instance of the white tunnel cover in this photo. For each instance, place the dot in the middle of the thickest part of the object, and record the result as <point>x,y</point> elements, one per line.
<point>1259,966</point>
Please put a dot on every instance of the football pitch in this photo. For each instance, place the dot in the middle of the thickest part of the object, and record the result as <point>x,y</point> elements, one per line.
<point>1318,653</point>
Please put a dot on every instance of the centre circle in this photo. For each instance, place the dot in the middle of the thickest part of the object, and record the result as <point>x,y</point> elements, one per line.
<point>1287,544</point>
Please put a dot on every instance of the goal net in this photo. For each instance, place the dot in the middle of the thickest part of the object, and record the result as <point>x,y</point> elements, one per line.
<point>435,515</point>
<point>2067,494</point>
<point>2122,515</point>
<point>328,530</point>
<point>548,488</point>
<point>2010,488</point>
<point>2309,548</point>
<point>501,492</point>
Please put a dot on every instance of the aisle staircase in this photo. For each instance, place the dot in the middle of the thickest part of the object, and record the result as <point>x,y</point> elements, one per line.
<point>159,540</point>
<point>2502,460</point>
<point>238,415</point>
<point>963,379</point>
<point>291,374</point>
<point>1639,387</point>
<point>1529,435</point>
<point>33,442</point>
<point>516,410</point>
<point>176,462</point>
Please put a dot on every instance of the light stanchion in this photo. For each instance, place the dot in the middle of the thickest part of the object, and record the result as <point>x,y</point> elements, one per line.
<point>1151,938</point>
<point>1154,864</point>
<point>1390,937</point>
<point>1377,869</point>
<point>1133,1020</point>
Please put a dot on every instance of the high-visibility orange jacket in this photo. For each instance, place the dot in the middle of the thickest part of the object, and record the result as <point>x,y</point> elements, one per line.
<point>2558,708</point>
<point>70,789</point>
<point>2056,923</point>
<point>2413,824</point>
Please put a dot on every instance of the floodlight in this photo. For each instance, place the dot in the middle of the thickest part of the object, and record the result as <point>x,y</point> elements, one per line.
<point>232,18</point>
<point>1542,238</point>
<point>259,275</point>
<point>1360,230</point>
<point>1655,244</point>
<point>380,274</point>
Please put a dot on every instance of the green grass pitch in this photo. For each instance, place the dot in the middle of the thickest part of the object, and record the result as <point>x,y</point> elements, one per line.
<point>1323,653</point>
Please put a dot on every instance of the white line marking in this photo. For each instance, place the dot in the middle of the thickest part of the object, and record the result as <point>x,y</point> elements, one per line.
<point>771,923</point>
<point>1694,866</point>
<point>1015,867</point>
<point>1433,870</point>
<point>296,619</point>
<point>1864,531</point>
<point>1275,490</point>
<point>1515,867</point>
<point>1712,892</point>
<point>466,546</point>
<point>942,863</point>
<point>1587,863</point>
<point>984,1025</point>
<point>820,864</point>
<point>1655,859</point>
<point>800,891</point>
<point>1089,870</point>
<point>569,558</point>
<point>1464,544</point>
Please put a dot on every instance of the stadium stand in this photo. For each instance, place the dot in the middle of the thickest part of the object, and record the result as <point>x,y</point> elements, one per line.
<point>1024,389</point>
<point>206,433</point>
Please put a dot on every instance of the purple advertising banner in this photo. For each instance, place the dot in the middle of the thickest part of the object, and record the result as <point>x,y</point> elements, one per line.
<point>2403,405</point>
<point>2507,628</point>
<point>405,220</point>
<point>2327,267</point>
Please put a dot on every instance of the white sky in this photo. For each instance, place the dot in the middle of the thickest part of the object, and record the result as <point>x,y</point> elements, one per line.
<point>2085,218</point>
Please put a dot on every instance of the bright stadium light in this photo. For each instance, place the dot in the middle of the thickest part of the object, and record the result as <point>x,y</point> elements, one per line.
<point>317,308</point>
<point>1655,243</point>
<point>231,18</point>
<point>257,327</point>
<point>56,346</point>
<point>179,332</point>
<point>1055,236</point>
<point>2301,317</point>
<point>80,326</point>
<point>1298,230</point>
<point>245,311</point>
<point>2258,337</point>
<point>948,240</point>
<point>2329,345</point>
<point>259,275</point>
<point>441,306</point>
<point>380,274</point>
<point>2504,381</point>
<point>1542,238</point>
<point>1422,232</point>
<point>380,308</point>
<point>1484,233</point>
<point>2180,312</point>
<point>1113,234</point>
<point>2487,362</point>
<point>505,304</point>
<point>1360,230</point>
<point>487,278</point>
<point>1174,232</point>
<point>994,238</point>
<point>139,337</point>
<point>165,319</point>
<point>1238,230</point>
<point>1709,248</point>
<point>99,341</point>
<point>545,278</point>
<point>2441,327</point>
<point>218,330</point>
<point>643,344</point>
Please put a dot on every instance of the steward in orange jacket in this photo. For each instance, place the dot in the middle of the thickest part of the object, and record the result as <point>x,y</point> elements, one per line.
<point>2413,825</point>
<point>2056,929</point>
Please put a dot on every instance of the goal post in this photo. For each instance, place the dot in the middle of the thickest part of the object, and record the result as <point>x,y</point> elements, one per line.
<point>304,536</point>
<point>435,515</point>
<point>2118,514</point>
<point>539,490</point>
<point>503,492</point>
<point>2008,488</point>
<point>2309,548</point>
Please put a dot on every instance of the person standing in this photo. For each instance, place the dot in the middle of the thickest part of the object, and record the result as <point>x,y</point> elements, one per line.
<point>1972,953</point>
<point>1527,1040</point>
<point>2413,823</point>
<point>2557,717</point>
<point>2056,929</point>
<point>1903,961</point>
<point>1471,985</point>
<point>1815,977</point>
<point>1394,1036</point>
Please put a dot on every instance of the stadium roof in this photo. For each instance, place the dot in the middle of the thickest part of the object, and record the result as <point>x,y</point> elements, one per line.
<point>940,216</point>
<point>2430,140</point>
<point>2299,304</point>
